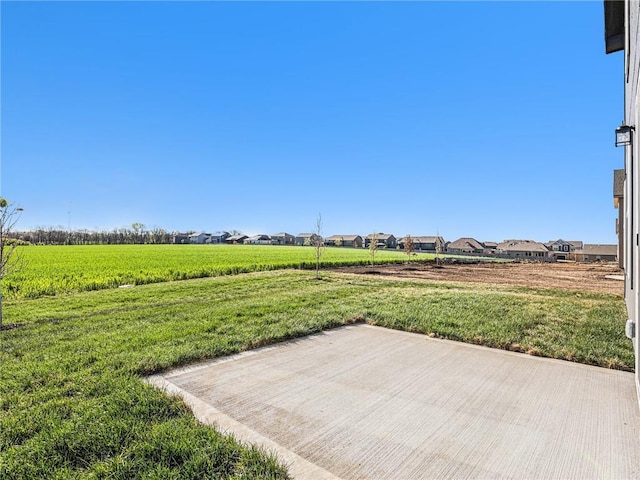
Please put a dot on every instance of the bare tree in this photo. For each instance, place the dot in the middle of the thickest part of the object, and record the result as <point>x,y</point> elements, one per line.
<point>139,232</point>
<point>408,246</point>
<point>439,249</point>
<point>318,244</point>
<point>10,258</point>
<point>373,247</point>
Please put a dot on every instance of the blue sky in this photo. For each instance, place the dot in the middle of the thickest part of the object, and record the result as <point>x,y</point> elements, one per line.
<point>492,120</point>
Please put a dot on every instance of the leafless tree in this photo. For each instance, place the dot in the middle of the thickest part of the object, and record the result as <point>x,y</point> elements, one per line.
<point>408,246</point>
<point>439,249</point>
<point>373,247</point>
<point>60,236</point>
<point>318,244</point>
<point>10,258</point>
<point>139,232</point>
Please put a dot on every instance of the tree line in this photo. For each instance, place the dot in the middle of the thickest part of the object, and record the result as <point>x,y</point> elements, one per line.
<point>137,233</point>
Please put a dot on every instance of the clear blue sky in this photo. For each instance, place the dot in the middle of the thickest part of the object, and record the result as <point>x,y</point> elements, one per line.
<point>492,120</point>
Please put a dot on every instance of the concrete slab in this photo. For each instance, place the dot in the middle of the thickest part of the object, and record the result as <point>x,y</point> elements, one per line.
<point>619,278</point>
<point>366,402</point>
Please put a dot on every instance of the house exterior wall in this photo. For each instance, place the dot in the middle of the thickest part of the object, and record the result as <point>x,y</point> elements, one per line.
<point>527,254</point>
<point>304,240</point>
<point>391,242</point>
<point>181,238</point>
<point>618,203</point>
<point>597,258</point>
<point>340,241</point>
<point>235,239</point>
<point>620,232</point>
<point>199,239</point>
<point>219,238</point>
<point>463,251</point>
<point>424,246</point>
<point>283,240</point>
<point>631,221</point>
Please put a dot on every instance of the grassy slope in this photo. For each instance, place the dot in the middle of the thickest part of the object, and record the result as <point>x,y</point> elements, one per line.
<point>73,404</point>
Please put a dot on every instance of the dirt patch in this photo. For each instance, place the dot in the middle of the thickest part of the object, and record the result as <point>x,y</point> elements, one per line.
<point>569,276</point>
<point>10,326</point>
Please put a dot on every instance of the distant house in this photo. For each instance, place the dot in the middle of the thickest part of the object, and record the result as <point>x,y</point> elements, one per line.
<point>465,245</point>
<point>524,250</point>
<point>384,240</point>
<point>560,249</point>
<point>597,253</point>
<point>306,238</point>
<point>618,202</point>
<point>258,240</point>
<point>199,238</point>
<point>490,247</point>
<point>283,238</point>
<point>180,238</point>
<point>353,241</point>
<point>219,237</point>
<point>425,243</point>
<point>236,239</point>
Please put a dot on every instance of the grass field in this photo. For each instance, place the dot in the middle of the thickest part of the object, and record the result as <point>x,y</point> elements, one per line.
<point>73,404</point>
<point>51,270</point>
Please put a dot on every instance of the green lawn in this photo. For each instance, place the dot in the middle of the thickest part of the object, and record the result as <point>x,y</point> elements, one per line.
<point>73,404</point>
<point>52,270</point>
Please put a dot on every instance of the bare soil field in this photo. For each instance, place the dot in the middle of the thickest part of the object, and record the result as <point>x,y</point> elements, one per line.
<point>569,276</point>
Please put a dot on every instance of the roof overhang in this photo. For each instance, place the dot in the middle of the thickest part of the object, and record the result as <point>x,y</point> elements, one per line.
<point>614,25</point>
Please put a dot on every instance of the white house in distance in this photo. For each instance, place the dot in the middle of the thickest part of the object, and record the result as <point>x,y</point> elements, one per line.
<point>622,23</point>
<point>219,237</point>
<point>199,238</point>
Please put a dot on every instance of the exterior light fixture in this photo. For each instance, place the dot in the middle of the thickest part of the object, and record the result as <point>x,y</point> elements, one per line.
<point>624,135</point>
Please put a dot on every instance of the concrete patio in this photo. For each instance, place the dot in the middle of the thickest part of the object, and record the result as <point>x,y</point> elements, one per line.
<point>366,402</point>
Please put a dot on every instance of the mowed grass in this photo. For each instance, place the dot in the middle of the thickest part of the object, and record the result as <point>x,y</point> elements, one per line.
<point>51,270</point>
<point>73,403</point>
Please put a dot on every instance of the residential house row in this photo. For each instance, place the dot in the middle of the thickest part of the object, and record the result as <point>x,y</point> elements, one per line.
<point>515,249</point>
<point>552,250</point>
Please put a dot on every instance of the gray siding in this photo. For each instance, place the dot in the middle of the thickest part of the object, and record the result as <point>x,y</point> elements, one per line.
<point>632,183</point>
